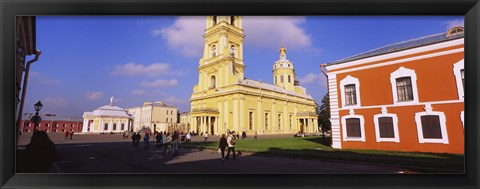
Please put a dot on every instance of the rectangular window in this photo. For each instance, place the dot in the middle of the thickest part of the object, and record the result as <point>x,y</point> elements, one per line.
<point>64,125</point>
<point>350,95</point>
<point>431,127</point>
<point>104,128</point>
<point>386,127</point>
<point>291,121</point>
<point>289,78</point>
<point>46,125</point>
<point>114,126</point>
<point>279,121</point>
<point>353,127</point>
<point>462,74</point>
<point>404,89</point>
<point>281,79</point>
<point>275,82</point>
<point>166,119</point>
<point>266,121</point>
<point>250,120</point>
<point>122,127</point>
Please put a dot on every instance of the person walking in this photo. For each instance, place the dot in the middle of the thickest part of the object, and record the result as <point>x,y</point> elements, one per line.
<point>66,135</point>
<point>146,139</point>
<point>255,137</point>
<point>188,137</point>
<point>124,134</point>
<point>176,143</point>
<point>71,135</point>
<point>231,145</point>
<point>159,140</point>
<point>222,145</point>
<point>205,137</point>
<point>168,144</point>
<point>134,139</point>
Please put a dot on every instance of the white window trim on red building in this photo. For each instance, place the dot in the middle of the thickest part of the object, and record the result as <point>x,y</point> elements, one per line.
<point>462,117</point>
<point>443,127</point>
<point>362,127</point>
<point>348,81</point>
<point>384,113</point>
<point>457,67</point>
<point>404,72</point>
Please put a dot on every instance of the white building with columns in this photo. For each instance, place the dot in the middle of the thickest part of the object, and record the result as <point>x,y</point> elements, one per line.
<point>106,119</point>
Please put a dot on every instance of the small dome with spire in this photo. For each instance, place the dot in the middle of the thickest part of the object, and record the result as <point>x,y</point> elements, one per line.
<point>283,62</point>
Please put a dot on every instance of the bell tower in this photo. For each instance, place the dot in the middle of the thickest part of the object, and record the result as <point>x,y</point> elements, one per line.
<point>222,61</point>
<point>284,72</point>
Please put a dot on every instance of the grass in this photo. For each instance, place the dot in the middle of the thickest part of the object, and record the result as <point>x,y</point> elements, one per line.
<point>313,147</point>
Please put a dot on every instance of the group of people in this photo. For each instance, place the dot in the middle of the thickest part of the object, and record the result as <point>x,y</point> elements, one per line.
<point>227,142</point>
<point>169,141</point>
<point>69,134</point>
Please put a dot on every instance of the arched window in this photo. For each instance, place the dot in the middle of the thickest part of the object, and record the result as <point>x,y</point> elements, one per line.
<point>214,51</point>
<point>232,20</point>
<point>281,79</point>
<point>455,31</point>
<point>212,82</point>
<point>214,19</point>
<point>232,50</point>
<point>289,79</point>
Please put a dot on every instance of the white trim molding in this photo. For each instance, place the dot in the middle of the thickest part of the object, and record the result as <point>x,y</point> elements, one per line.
<point>457,67</point>
<point>394,117</point>
<point>404,72</point>
<point>443,127</point>
<point>362,127</point>
<point>462,117</point>
<point>348,81</point>
<point>334,112</point>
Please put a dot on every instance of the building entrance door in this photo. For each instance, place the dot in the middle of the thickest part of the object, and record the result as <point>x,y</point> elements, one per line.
<point>301,128</point>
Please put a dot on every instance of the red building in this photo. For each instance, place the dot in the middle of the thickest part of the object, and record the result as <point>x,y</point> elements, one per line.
<point>406,96</point>
<point>52,123</point>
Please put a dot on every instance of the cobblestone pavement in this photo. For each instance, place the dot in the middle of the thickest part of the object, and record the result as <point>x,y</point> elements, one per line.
<point>112,154</point>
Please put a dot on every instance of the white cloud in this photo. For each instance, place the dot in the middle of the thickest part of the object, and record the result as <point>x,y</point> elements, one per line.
<point>152,70</point>
<point>160,83</point>
<point>55,102</point>
<point>175,101</point>
<point>37,77</point>
<point>453,23</point>
<point>313,78</point>
<point>184,35</point>
<point>139,92</point>
<point>94,95</point>
<point>269,31</point>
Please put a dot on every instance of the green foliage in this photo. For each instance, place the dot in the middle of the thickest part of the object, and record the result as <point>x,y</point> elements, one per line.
<point>324,114</point>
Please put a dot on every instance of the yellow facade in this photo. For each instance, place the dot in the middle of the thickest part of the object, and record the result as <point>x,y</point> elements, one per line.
<point>224,100</point>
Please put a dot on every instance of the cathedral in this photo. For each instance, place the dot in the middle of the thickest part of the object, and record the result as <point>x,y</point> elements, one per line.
<point>224,100</point>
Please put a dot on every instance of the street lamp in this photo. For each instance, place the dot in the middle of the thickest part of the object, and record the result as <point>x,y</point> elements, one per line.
<point>36,119</point>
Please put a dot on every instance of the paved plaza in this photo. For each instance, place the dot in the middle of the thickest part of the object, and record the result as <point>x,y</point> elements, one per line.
<point>112,154</point>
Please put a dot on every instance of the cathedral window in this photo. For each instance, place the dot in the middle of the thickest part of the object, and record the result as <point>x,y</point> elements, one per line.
<point>232,50</point>
<point>289,79</point>
<point>214,51</point>
<point>214,19</point>
<point>281,79</point>
<point>232,20</point>
<point>212,82</point>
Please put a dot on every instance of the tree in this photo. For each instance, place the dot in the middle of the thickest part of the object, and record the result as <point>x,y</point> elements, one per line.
<point>324,115</point>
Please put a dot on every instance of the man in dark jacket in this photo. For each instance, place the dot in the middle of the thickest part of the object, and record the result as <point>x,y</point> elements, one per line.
<point>222,145</point>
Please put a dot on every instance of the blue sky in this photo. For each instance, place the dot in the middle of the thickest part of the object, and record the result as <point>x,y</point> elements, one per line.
<point>87,59</point>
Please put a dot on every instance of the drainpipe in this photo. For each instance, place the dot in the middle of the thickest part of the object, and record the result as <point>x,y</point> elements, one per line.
<point>24,89</point>
<point>322,67</point>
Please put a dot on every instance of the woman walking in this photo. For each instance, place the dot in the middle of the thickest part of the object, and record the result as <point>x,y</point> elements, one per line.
<point>222,145</point>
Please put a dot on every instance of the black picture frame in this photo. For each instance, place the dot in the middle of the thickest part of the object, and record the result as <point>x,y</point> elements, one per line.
<point>9,9</point>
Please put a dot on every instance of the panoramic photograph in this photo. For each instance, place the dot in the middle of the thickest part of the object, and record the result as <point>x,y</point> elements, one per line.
<point>240,94</point>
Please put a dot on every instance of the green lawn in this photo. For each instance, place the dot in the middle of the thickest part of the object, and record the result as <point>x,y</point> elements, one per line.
<point>312,147</point>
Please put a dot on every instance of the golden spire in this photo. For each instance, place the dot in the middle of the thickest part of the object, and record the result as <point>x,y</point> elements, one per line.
<point>282,48</point>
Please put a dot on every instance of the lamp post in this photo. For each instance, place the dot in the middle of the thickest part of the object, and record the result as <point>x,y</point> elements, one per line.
<point>36,119</point>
